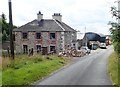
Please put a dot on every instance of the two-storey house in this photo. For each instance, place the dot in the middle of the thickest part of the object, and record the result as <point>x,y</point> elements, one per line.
<point>44,35</point>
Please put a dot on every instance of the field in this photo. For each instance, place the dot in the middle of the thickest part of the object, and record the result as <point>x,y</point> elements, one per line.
<point>26,70</point>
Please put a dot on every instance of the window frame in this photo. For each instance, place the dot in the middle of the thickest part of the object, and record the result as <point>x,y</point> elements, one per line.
<point>25,36</point>
<point>53,49</point>
<point>25,48</point>
<point>51,37</point>
<point>38,35</point>
<point>38,50</point>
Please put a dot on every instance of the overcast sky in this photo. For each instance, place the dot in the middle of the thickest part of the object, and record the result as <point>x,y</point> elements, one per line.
<point>92,14</point>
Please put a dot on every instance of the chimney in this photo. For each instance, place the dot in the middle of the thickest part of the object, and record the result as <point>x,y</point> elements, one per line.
<point>39,16</point>
<point>57,16</point>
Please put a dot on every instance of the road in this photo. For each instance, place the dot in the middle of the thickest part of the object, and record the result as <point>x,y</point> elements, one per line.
<point>89,70</point>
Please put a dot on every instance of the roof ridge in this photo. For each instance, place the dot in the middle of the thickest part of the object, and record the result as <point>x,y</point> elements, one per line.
<point>59,24</point>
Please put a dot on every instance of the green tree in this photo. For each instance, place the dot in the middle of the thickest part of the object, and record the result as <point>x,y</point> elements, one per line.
<point>0,29</point>
<point>115,30</point>
<point>5,25</point>
<point>4,36</point>
<point>0,37</point>
<point>5,28</point>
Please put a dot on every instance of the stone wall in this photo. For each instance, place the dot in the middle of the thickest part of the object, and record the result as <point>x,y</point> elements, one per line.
<point>58,42</point>
<point>69,38</point>
<point>45,41</point>
<point>18,42</point>
<point>31,40</point>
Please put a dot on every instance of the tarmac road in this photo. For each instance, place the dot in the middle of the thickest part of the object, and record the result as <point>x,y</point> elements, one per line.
<point>89,70</point>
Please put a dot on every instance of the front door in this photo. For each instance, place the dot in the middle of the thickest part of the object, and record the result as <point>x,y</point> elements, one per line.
<point>44,51</point>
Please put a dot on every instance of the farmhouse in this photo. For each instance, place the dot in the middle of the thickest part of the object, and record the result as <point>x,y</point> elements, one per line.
<point>45,35</point>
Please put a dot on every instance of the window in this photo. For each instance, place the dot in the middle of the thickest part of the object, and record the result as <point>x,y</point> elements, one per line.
<point>25,49</point>
<point>25,35</point>
<point>52,49</point>
<point>52,35</point>
<point>38,48</point>
<point>38,35</point>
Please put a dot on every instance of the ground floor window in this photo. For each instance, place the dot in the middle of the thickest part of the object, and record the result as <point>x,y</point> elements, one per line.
<point>38,47</point>
<point>52,49</point>
<point>25,49</point>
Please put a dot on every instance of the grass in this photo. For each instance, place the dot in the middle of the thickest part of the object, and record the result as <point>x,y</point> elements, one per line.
<point>0,71</point>
<point>25,70</point>
<point>0,78</point>
<point>113,68</point>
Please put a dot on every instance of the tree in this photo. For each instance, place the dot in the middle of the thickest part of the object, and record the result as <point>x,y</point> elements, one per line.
<point>115,29</point>
<point>5,25</point>
<point>0,29</point>
<point>5,28</point>
<point>0,24</point>
<point>4,36</point>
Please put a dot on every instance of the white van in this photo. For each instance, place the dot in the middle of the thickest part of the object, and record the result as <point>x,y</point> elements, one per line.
<point>103,45</point>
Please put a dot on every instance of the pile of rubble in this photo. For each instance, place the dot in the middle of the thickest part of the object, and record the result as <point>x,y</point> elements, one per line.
<point>72,53</point>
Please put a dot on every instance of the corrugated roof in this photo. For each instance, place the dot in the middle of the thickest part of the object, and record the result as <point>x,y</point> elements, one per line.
<point>101,35</point>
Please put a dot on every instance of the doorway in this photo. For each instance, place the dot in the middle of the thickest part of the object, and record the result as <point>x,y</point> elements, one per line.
<point>44,51</point>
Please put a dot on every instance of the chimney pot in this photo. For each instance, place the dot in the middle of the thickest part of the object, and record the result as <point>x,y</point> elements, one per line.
<point>39,12</point>
<point>57,16</point>
<point>39,16</point>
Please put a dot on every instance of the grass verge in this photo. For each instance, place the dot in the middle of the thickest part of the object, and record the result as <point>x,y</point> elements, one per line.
<point>113,68</point>
<point>25,70</point>
<point>0,78</point>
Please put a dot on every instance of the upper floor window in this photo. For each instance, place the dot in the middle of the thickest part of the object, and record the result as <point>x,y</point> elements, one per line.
<point>38,35</point>
<point>52,35</point>
<point>25,35</point>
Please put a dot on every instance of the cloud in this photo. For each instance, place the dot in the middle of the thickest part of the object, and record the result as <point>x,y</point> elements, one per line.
<point>92,14</point>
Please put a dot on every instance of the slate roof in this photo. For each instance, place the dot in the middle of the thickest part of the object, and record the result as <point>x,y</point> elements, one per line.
<point>45,25</point>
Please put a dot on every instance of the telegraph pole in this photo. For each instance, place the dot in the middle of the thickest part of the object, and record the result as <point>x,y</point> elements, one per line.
<point>85,37</point>
<point>10,29</point>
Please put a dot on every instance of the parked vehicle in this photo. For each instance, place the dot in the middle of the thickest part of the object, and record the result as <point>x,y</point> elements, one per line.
<point>85,49</point>
<point>94,46</point>
<point>103,45</point>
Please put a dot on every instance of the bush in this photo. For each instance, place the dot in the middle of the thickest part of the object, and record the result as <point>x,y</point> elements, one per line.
<point>117,47</point>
